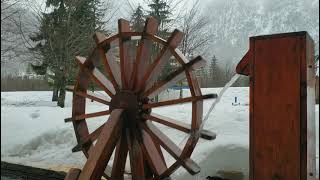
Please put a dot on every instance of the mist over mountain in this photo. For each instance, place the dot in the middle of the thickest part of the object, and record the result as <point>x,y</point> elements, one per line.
<point>234,21</point>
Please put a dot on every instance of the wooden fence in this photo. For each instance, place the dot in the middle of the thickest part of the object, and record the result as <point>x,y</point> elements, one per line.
<point>23,83</point>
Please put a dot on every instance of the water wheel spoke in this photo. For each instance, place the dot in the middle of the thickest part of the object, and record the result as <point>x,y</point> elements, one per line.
<point>97,161</point>
<point>144,51</point>
<point>73,174</point>
<point>120,157</point>
<point>156,67</point>
<point>90,95</point>
<point>171,147</point>
<point>89,115</point>
<point>114,66</point>
<point>96,75</point>
<point>99,37</point>
<point>181,126</point>
<point>179,101</point>
<point>179,56</point>
<point>136,157</point>
<point>172,78</point>
<point>154,158</point>
<point>126,53</point>
<point>88,139</point>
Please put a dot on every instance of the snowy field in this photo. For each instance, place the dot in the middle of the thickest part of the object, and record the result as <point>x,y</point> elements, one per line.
<point>33,132</point>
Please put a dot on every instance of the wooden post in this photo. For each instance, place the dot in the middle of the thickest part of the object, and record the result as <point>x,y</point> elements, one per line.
<point>282,106</point>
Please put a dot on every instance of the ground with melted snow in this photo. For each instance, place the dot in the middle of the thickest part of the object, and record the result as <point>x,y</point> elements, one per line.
<point>33,132</point>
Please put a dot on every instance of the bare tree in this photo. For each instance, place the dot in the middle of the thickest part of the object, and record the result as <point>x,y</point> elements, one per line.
<point>196,32</point>
<point>8,12</point>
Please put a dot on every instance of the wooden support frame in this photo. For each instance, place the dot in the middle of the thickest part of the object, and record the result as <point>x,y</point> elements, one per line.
<point>282,136</point>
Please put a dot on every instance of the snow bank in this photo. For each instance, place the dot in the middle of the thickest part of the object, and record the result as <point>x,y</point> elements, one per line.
<point>33,132</point>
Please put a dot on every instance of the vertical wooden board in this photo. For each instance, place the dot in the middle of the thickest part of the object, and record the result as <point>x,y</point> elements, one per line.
<point>78,106</point>
<point>120,158</point>
<point>197,107</point>
<point>251,107</point>
<point>127,53</point>
<point>136,157</point>
<point>276,109</point>
<point>97,161</point>
<point>144,53</point>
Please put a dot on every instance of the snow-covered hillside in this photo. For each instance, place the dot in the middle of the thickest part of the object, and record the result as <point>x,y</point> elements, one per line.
<point>33,132</point>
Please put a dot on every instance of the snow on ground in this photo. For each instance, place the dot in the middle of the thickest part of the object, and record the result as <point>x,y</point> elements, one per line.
<point>33,132</point>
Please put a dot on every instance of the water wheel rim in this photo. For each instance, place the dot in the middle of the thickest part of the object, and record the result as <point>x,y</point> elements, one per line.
<point>89,71</point>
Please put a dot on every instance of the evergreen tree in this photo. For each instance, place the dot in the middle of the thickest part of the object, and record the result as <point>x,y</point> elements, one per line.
<point>160,10</point>
<point>138,20</point>
<point>215,74</point>
<point>64,33</point>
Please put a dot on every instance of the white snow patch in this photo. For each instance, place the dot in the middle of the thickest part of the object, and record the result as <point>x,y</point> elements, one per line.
<point>33,131</point>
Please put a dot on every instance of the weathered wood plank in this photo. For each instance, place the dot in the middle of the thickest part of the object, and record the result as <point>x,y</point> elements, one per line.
<point>97,161</point>
<point>86,116</point>
<point>90,95</point>
<point>136,157</point>
<point>179,101</point>
<point>179,125</point>
<point>171,147</point>
<point>155,68</point>
<point>153,156</point>
<point>120,157</point>
<point>172,78</point>
<point>144,52</point>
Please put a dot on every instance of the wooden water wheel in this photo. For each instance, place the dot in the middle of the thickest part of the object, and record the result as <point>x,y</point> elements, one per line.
<point>131,85</point>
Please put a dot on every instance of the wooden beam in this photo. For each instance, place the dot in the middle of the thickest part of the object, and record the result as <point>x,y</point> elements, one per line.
<point>179,56</point>
<point>158,165</point>
<point>114,66</point>
<point>90,95</point>
<point>120,157</point>
<point>73,174</point>
<point>143,57</point>
<point>179,101</point>
<point>108,40</point>
<point>97,76</point>
<point>171,147</point>
<point>136,157</point>
<point>197,107</point>
<point>181,126</point>
<point>97,161</point>
<point>172,78</point>
<point>155,68</point>
<point>86,116</point>
<point>99,37</point>
<point>88,139</point>
<point>126,50</point>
